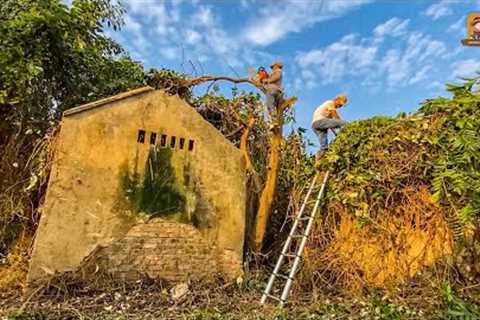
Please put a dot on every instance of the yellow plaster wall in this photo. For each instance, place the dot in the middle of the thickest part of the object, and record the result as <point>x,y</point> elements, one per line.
<point>81,208</point>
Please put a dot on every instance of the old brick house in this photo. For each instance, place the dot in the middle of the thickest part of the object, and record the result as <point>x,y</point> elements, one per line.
<point>142,184</point>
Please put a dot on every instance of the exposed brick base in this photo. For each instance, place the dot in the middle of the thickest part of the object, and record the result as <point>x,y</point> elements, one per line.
<point>166,250</point>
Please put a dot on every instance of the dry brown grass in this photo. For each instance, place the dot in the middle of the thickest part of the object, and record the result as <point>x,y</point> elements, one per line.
<point>13,272</point>
<point>24,169</point>
<point>384,252</point>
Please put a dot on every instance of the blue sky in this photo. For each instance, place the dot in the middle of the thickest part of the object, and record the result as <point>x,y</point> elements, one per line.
<point>387,56</point>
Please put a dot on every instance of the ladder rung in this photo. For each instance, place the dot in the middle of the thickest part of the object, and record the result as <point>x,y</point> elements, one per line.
<point>298,236</point>
<point>290,255</point>
<point>273,297</point>
<point>304,218</point>
<point>282,276</point>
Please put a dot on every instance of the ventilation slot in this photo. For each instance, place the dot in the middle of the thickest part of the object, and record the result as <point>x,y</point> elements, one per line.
<point>153,138</point>
<point>163,140</point>
<point>141,136</point>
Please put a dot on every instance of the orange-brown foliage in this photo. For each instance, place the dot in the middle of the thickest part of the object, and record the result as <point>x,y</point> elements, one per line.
<point>388,250</point>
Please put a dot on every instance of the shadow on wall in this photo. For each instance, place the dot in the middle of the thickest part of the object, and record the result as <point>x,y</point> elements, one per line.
<point>166,190</point>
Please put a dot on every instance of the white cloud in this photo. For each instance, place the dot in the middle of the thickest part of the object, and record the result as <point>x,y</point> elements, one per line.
<point>394,67</point>
<point>465,68</point>
<point>152,13</point>
<point>131,24</point>
<point>192,36</point>
<point>215,40</point>
<point>420,75</point>
<point>176,3</point>
<point>244,4</point>
<point>276,20</point>
<point>435,85</point>
<point>394,27</point>
<point>204,16</point>
<point>161,29</point>
<point>148,8</point>
<point>410,64</point>
<point>372,61</point>
<point>439,9</point>
<point>341,58</point>
<point>140,43</point>
<point>307,79</point>
<point>458,26</point>
<point>169,53</point>
<point>421,47</point>
<point>180,34</point>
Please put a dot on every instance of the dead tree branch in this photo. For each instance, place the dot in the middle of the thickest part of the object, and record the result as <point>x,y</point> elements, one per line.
<point>199,80</point>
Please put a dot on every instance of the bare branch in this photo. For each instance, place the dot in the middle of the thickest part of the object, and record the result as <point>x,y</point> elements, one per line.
<point>199,80</point>
<point>234,132</point>
<point>287,103</point>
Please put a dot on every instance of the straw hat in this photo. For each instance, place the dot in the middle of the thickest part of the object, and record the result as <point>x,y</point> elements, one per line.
<point>341,98</point>
<point>277,63</point>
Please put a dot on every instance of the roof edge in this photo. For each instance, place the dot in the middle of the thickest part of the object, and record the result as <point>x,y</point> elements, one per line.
<point>101,102</point>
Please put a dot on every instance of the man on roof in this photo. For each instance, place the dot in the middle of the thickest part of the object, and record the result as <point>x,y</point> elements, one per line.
<point>326,117</point>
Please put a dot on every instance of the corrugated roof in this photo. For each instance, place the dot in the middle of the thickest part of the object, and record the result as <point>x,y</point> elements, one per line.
<point>101,102</point>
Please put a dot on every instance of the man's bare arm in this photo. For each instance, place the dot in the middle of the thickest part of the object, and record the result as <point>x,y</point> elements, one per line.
<point>334,114</point>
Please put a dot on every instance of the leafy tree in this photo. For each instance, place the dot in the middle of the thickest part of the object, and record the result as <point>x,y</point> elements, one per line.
<point>52,57</point>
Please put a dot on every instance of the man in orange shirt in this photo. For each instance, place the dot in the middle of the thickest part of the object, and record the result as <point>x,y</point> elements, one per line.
<point>262,75</point>
<point>326,117</point>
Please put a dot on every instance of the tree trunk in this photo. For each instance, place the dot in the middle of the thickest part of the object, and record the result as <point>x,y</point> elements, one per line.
<point>268,192</point>
<point>244,144</point>
<point>274,155</point>
<point>273,167</point>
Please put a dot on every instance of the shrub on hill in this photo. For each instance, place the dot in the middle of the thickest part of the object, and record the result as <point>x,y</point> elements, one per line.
<point>404,194</point>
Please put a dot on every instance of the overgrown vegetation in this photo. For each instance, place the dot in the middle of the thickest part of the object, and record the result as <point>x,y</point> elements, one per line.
<point>399,238</point>
<point>52,57</point>
<point>403,195</point>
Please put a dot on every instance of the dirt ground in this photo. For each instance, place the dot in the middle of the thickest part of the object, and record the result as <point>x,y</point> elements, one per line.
<point>149,299</point>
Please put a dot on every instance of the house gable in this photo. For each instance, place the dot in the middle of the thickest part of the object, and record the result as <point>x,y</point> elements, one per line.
<point>103,144</point>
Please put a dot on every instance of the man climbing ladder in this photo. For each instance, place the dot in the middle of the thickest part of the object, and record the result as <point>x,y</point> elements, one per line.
<point>326,117</point>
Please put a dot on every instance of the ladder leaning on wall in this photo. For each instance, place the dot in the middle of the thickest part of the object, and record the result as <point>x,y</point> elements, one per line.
<point>300,232</point>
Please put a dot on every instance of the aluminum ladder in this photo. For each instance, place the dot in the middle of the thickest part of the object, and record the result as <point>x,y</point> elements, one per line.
<point>297,255</point>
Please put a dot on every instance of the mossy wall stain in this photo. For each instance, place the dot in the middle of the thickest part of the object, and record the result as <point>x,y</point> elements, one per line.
<point>158,193</point>
<point>166,189</point>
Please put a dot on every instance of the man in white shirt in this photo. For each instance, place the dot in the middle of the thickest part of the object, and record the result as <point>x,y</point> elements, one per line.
<point>326,117</point>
